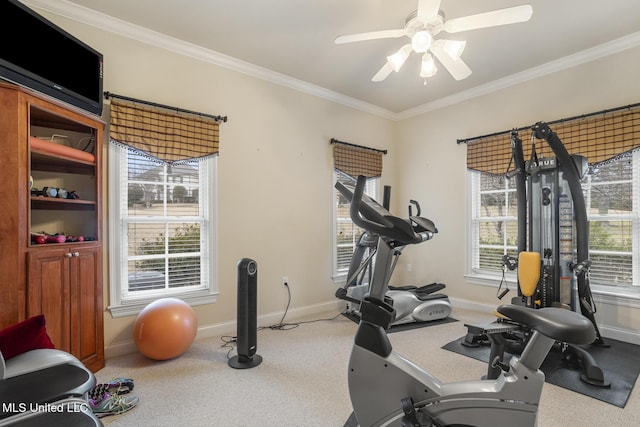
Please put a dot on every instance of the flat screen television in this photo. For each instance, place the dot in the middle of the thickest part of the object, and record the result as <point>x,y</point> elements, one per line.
<point>37,54</point>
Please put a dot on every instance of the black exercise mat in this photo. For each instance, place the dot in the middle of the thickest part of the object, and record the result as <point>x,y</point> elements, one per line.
<point>620,363</point>
<point>405,326</point>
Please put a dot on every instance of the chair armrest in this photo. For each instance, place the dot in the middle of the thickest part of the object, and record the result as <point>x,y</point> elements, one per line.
<point>34,360</point>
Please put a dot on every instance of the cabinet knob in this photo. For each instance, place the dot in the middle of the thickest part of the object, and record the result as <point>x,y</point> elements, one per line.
<point>68,255</point>
<point>76,254</point>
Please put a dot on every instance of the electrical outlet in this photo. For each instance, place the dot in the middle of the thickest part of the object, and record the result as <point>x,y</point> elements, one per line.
<point>409,267</point>
<point>285,281</point>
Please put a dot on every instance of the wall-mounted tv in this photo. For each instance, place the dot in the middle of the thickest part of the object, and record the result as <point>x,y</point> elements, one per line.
<point>37,54</point>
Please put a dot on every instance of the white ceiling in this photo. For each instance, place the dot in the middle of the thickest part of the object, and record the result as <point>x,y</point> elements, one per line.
<point>295,38</point>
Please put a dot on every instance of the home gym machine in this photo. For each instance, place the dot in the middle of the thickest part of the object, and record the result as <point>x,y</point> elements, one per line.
<point>552,217</point>
<point>412,304</point>
<point>387,389</point>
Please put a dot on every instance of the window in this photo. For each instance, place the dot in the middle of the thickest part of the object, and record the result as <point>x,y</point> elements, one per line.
<point>494,221</point>
<point>346,232</point>
<point>612,196</point>
<point>162,232</point>
<point>351,161</point>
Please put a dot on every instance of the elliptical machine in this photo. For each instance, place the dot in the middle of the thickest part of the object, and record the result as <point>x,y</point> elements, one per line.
<point>386,389</point>
<point>412,304</point>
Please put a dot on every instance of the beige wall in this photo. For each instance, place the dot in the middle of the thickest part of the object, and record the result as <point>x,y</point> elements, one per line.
<point>275,171</point>
<point>431,169</point>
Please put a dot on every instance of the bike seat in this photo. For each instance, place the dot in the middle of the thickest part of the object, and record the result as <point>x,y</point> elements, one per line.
<point>557,323</point>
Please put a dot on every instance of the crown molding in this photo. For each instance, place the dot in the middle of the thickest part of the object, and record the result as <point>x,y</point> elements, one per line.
<point>122,28</point>
<point>107,23</point>
<point>583,57</point>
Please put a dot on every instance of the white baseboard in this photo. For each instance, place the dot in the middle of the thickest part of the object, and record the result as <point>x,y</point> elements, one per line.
<point>625,335</point>
<point>607,331</point>
<point>230,328</point>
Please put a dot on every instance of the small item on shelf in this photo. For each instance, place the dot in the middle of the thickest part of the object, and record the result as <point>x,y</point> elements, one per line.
<point>50,191</point>
<point>41,238</point>
<point>59,193</point>
<point>75,239</point>
<point>38,239</point>
<point>57,139</point>
<point>30,182</point>
<point>56,238</point>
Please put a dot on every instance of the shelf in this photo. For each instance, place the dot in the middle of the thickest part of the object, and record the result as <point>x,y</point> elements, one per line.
<point>44,118</point>
<point>52,157</point>
<point>52,203</point>
<point>41,161</point>
<point>66,245</point>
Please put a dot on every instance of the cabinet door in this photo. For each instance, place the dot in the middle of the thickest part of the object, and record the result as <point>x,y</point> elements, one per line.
<point>48,293</point>
<point>64,285</point>
<point>86,307</point>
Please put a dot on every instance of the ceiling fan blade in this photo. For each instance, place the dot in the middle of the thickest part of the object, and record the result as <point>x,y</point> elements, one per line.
<point>510,15</point>
<point>428,8</point>
<point>382,73</point>
<point>384,34</point>
<point>457,68</point>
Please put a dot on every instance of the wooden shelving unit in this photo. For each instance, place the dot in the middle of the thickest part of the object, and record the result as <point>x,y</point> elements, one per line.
<point>63,281</point>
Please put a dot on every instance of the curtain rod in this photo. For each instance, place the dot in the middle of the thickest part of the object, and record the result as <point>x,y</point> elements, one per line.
<point>107,95</point>
<point>335,141</point>
<point>583,116</point>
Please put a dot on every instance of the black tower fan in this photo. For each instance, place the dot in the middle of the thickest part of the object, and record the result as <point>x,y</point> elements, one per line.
<point>247,308</point>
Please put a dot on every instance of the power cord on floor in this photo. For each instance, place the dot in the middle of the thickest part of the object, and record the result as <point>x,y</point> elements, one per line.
<point>281,326</point>
<point>229,341</point>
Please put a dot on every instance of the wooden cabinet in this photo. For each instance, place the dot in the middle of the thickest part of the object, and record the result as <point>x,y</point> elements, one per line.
<point>62,287</point>
<point>48,145</point>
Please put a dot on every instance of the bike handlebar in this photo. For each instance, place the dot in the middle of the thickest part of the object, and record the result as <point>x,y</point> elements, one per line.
<point>378,223</point>
<point>371,219</point>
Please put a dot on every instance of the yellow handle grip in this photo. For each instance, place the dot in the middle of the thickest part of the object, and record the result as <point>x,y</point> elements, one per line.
<point>528,272</point>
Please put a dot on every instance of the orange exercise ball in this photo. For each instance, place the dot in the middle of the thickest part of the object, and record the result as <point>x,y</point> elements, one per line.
<point>165,328</point>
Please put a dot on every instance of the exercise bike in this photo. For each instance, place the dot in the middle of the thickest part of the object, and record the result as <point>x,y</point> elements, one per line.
<point>387,389</point>
<point>413,304</point>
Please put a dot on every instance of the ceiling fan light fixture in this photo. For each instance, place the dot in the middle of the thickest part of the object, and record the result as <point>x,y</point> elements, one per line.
<point>428,68</point>
<point>423,24</point>
<point>398,59</point>
<point>454,48</point>
<point>421,41</point>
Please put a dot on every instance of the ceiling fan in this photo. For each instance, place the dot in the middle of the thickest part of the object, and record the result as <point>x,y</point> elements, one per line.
<point>424,24</point>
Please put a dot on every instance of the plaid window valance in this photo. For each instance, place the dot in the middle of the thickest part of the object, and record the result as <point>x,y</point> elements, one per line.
<point>599,138</point>
<point>166,135</point>
<point>355,160</point>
